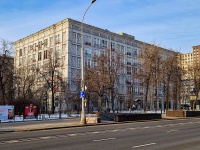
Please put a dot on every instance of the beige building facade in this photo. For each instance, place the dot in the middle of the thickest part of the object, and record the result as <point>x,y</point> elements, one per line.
<point>187,62</point>
<point>63,39</point>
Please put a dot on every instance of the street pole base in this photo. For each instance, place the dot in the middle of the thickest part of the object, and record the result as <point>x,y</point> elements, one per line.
<point>83,121</point>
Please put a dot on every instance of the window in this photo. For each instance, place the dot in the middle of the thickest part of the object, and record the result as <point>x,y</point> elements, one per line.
<point>135,52</point>
<point>45,54</point>
<point>24,50</point>
<point>29,58</point>
<point>45,42</point>
<point>103,43</point>
<point>35,46</point>
<point>57,50</point>
<point>63,60</point>
<point>74,37</point>
<point>112,46</point>
<point>40,45</point>
<point>57,38</point>
<point>20,61</point>
<point>78,50</point>
<point>32,47</point>
<point>39,65</point>
<point>39,56</point>
<point>78,62</point>
<point>88,52</point>
<point>63,37</point>
<point>51,41</point>
<point>57,61</point>
<point>96,42</point>
<point>87,40</point>
<point>20,52</point>
<point>128,53</point>
<point>128,63</point>
<point>88,63</point>
<point>29,49</point>
<point>79,38</point>
<point>122,49</point>
<point>34,58</point>
<point>63,48</point>
<point>128,70</point>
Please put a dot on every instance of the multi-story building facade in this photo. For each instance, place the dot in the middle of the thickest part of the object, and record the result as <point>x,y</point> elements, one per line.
<point>188,63</point>
<point>64,39</point>
<point>196,54</point>
<point>185,62</point>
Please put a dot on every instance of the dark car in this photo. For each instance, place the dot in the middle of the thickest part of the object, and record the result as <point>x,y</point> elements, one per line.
<point>185,106</point>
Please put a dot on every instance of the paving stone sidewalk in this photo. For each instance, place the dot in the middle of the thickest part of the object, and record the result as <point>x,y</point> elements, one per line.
<point>50,124</point>
<point>43,125</point>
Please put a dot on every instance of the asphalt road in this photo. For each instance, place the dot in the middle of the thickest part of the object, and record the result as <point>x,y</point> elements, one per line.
<point>180,134</point>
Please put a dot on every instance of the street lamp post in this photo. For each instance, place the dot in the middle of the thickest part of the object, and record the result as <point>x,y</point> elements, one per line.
<point>117,103</point>
<point>83,121</point>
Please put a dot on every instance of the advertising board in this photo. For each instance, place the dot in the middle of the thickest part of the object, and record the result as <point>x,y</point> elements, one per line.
<point>6,112</point>
<point>30,111</point>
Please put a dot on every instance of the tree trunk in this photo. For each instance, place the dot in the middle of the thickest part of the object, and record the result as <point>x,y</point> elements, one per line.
<point>147,90</point>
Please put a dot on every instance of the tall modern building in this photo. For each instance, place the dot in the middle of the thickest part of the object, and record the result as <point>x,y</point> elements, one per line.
<point>63,39</point>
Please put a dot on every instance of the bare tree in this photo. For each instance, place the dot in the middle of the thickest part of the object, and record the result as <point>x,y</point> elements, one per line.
<point>194,74</point>
<point>26,90</point>
<point>104,75</point>
<point>97,78</point>
<point>170,76</point>
<point>149,57</point>
<point>51,74</point>
<point>6,72</point>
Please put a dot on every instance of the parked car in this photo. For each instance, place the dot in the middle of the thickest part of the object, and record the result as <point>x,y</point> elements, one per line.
<point>185,106</point>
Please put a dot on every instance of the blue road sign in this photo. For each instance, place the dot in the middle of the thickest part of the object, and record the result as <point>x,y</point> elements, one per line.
<point>82,94</point>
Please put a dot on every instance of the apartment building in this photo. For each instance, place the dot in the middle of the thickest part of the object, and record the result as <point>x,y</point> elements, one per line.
<point>196,54</point>
<point>187,62</point>
<point>64,40</point>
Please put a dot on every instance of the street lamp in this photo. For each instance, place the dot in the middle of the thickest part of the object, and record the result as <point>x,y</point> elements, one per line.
<point>117,102</point>
<point>83,121</point>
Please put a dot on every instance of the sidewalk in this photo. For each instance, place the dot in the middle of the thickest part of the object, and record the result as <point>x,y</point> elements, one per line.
<point>44,125</point>
<point>35,125</point>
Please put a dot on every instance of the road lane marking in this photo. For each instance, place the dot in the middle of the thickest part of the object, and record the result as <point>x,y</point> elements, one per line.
<point>104,139</point>
<point>34,139</point>
<point>61,136</point>
<point>95,132</point>
<point>12,141</point>
<point>25,140</point>
<point>146,127</point>
<point>44,137</point>
<point>71,134</point>
<point>131,128</point>
<point>182,123</point>
<point>144,145</point>
<point>172,131</point>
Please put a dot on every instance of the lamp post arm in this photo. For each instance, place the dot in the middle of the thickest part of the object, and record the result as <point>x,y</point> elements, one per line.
<point>82,43</point>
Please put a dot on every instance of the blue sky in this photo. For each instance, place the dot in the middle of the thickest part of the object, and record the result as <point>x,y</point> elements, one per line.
<point>172,24</point>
